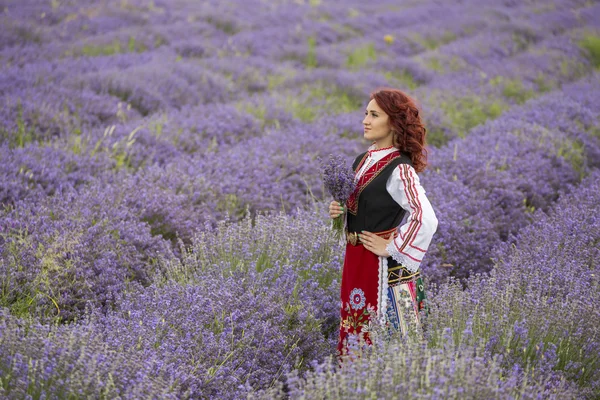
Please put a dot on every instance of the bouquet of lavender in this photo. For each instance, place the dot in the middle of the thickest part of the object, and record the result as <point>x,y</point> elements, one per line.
<point>338,178</point>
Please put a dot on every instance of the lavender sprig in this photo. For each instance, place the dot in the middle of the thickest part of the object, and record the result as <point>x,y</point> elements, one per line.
<point>338,179</point>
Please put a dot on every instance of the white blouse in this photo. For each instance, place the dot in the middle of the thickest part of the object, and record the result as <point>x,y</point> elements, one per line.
<point>414,236</point>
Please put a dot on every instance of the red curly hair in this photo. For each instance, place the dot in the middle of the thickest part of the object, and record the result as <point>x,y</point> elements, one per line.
<point>405,123</point>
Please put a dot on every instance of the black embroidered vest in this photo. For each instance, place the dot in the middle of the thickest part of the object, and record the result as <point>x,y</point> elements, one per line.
<point>377,211</point>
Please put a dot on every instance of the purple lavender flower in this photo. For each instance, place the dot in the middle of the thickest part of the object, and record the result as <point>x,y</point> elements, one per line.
<point>338,178</point>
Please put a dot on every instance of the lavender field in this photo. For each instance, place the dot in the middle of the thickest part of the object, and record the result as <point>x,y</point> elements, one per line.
<point>163,222</point>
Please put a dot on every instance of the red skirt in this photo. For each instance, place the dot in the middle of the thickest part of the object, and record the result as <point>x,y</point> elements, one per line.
<point>367,297</point>
<point>361,294</point>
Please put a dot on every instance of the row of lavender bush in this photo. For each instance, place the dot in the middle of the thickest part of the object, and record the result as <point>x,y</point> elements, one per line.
<point>508,168</point>
<point>130,130</point>
<point>284,310</point>
<point>222,324</point>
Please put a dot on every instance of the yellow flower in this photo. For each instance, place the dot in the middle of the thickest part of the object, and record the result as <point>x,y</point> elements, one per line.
<point>389,39</point>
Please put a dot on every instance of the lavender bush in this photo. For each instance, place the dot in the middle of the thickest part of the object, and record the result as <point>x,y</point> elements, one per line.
<point>41,361</point>
<point>536,305</point>
<point>505,193</point>
<point>162,214</point>
<point>413,370</point>
<point>228,335</point>
<point>61,253</point>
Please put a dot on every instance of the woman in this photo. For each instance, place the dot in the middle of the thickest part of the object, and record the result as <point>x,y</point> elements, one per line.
<point>381,278</point>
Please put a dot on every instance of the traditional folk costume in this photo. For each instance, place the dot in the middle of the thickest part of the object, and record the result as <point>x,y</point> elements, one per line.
<point>388,290</point>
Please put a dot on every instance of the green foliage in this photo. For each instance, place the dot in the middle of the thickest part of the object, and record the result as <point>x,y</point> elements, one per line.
<point>435,64</point>
<point>19,301</point>
<point>232,205</point>
<point>226,26</point>
<point>572,68</point>
<point>521,41</point>
<point>259,111</point>
<point>528,206</point>
<point>542,83</point>
<point>442,64</point>
<point>276,80</point>
<point>157,125</point>
<point>118,150</point>
<point>311,56</point>
<point>468,112</point>
<point>318,98</point>
<point>574,152</point>
<point>513,89</point>
<point>25,34</point>
<point>158,226</point>
<point>591,45</point>
<point>401,79</point>
<point>436,136</point>
<point>361,56</point>
<point>38,296</point>
<point>24,134</point>
<point>29,129</point>
<point>117,46</point>
<point>431,43</point>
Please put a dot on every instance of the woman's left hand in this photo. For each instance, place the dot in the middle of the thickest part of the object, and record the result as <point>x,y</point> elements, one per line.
<point>375,244</point>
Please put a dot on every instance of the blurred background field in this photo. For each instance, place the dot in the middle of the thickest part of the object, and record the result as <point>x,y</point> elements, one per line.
<point>163,229</point>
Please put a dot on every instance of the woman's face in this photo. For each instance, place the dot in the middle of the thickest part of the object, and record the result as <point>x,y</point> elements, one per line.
<point>376,123</point>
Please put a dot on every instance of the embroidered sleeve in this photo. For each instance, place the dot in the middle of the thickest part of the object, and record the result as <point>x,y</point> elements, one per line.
<point>414,236</point>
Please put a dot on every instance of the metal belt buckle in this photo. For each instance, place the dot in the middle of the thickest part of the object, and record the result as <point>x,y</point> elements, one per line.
<point>353,238</point>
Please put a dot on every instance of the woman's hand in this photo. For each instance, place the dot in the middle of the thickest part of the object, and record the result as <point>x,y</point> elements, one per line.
<point>335,209</point>
<point>375,244</point>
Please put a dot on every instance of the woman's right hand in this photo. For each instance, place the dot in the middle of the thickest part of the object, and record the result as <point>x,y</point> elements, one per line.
<point>335,210</point>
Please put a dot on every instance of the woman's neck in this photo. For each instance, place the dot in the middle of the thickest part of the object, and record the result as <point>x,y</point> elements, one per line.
<point>383,144</point>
